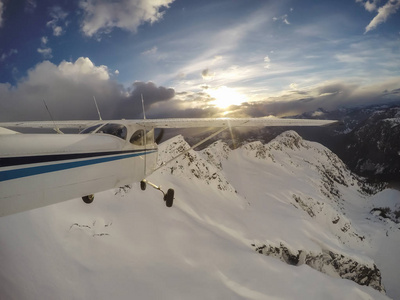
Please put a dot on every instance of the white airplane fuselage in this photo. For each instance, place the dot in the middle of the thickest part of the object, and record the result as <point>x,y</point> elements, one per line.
<point>42,169</point>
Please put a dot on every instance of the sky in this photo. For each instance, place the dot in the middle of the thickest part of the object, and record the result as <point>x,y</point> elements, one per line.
<point>195,58</point>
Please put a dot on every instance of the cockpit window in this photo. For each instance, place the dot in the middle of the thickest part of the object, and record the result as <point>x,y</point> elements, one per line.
<point>117,130</point>
<point>137,138</point>
<point>90,129</point>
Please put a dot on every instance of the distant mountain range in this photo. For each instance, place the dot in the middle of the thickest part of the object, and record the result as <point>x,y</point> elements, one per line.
<point>367,139</point>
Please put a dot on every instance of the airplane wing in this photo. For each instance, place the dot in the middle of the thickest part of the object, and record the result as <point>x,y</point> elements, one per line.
<point>78,124</point>
<point>231,122</point>
<point>175,123</point>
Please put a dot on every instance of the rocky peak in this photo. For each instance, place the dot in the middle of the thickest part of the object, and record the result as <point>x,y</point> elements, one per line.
<point>290,140</point>
<point>216,153</point>
<point>192,165</point>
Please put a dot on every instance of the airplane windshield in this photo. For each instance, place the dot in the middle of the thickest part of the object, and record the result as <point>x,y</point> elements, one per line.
<point>117,130</point>
<point>90,129</point>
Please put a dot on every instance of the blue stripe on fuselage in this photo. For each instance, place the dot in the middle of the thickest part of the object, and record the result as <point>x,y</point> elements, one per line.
<point>31,171</point>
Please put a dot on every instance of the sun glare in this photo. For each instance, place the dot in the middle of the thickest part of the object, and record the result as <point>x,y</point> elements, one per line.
<point>225,97</point>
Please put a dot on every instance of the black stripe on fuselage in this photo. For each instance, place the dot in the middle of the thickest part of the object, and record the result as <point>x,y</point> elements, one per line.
<point>34,159</point>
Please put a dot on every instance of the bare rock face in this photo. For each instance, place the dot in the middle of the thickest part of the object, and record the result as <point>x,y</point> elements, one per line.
<point>216,153</point>
<point>333,264</point>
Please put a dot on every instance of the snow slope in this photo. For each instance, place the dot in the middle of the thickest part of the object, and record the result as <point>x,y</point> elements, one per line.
<point>285,220</point>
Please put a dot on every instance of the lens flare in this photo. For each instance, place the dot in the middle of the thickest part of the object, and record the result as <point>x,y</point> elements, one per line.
<point>225,97</point>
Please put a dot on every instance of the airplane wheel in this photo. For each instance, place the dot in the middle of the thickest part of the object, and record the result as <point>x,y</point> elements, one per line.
<point>169,197</point>
<point>88,199</point>
<point>143,185</point>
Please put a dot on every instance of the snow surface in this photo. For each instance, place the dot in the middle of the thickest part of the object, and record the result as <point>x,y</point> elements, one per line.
<point>128,245</point>
<point>394,121</point>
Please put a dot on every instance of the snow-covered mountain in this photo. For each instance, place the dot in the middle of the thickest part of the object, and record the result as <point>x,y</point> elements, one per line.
<point>367,139</point>
<point>284,220</point>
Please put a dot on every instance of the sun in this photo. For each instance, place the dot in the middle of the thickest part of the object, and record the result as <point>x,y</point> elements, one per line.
<point>225,97</point>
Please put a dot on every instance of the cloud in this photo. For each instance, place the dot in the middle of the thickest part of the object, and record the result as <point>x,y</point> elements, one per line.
<point>267,60</point>
<point>207,75</point>
<point>151,51</point>
<point>328,95</point>
<point>369,5</point>
<point>30,6</point>
<point>44,50</point>
<point>58,16</point>
<point>102,16</point>
<point>68,89</point>
<point>4,56</point>
<point>384,12</point>
<point>283,18</point>
<point>1,12</point>
<point>83,66</point>
<point>150,92</point>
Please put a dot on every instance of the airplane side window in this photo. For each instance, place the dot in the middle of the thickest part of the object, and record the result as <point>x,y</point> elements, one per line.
<point>150,137</point>
<point>117,130</point>
<point>137,138</point>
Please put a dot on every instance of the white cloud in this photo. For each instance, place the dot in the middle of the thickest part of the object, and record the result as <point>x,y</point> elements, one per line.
<point>44,40</point>
<point>267,60</point>
<point>1,12</point>
<point>44,50</point>
<point>384,12</point>
<point>369,5</point>
<point>68,89</point>
<point>151,51</point>
<point>283,18</point>
<point>58,16</point>
<point>83,66</point>
<point>57,30</point>
<point>103,16</point>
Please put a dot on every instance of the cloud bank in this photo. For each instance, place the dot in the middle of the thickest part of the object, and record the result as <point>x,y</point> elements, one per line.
<point>68,89</point>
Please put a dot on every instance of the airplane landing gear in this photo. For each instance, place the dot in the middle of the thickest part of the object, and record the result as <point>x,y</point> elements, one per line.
<point>168,196</point>
<point>88,199</point>
<point>143,185</point>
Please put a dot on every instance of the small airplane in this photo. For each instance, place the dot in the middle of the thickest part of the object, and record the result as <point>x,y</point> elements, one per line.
<point>42,169</point>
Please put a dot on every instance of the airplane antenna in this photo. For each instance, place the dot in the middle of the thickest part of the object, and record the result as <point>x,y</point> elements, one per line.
<point>144,113</point>
<point>98,111</point>
<point>51,117</point>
